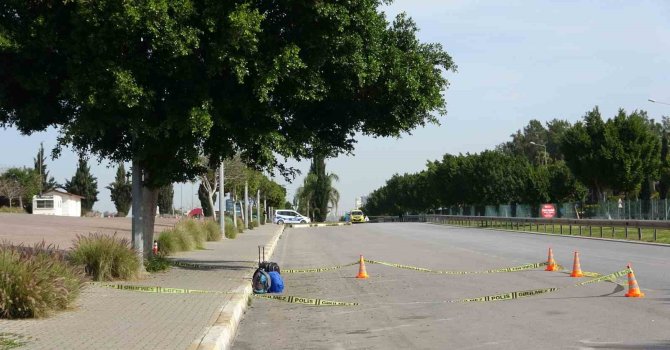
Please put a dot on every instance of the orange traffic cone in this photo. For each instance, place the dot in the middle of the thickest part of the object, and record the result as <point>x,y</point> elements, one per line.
<point>551,264</point>
<point>633,289</point>
<point>576,267</point>
<point>361,269</point>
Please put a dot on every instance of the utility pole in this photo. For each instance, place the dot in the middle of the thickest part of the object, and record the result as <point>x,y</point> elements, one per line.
<point>222,201</point>
<point>258,207</point>
<point>247,221</point>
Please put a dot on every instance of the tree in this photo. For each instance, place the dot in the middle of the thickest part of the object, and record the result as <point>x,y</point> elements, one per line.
<point>83,183</point>
<point>320,189</point>
<point>176,79</point>
<point>120,191</point>
<point>664,182</point>
<point>48,183</point>
<point>165,198</point>
<point>585,149</point>
<point>22,184</point>
<point>206,201</point>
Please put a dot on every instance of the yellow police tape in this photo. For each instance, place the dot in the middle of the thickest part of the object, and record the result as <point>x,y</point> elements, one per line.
<point>421,269</point>
<point>323,302</point>
<point>193,266</point>
<point>160,290</point>
<point>292,299</point>
<point>305,301</point>
<point>318,269</point>
<point>533,292</point>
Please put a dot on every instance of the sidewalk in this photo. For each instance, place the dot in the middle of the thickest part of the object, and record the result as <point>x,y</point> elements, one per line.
<point>105,318</point>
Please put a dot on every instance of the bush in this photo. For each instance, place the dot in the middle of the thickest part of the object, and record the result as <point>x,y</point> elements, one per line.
<point>231,232</point>
<point>212,230</point>
<point>12,210</point>
<point>254,223</point>
<point>35,281</point>
<point>157,263</point>
<point>168,242</point>
<point>105,257</point>
<point>240,225</point>
<point>196,231</point>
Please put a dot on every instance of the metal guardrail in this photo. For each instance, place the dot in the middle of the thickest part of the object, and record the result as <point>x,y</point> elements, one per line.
<point>554,225</point>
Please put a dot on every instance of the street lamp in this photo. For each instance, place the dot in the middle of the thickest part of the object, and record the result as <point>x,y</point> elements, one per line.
<point>545,150</point>
<point>660,102</point>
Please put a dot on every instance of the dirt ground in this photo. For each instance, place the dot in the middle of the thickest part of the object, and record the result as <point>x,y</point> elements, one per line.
<point>61,231</point>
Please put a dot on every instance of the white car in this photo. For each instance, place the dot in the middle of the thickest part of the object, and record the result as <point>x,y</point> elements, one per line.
<point>287,216</point>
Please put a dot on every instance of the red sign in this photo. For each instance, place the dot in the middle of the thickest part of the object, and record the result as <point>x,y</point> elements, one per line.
<point>548,211</point>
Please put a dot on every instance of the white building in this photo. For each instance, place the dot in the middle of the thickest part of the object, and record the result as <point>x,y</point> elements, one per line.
<point>57,202</point>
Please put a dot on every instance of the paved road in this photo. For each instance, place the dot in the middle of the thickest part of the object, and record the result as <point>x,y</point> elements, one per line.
<point>401,309</point>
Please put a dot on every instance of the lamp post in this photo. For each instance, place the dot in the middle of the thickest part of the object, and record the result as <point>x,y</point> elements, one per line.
<point>545,150</point>
<point>660,102</point>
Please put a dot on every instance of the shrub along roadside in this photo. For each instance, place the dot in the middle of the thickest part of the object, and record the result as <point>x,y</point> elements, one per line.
<point>231,232</point>
<point>188,235</point>
<point>36,281</point>
<point>105,257</point>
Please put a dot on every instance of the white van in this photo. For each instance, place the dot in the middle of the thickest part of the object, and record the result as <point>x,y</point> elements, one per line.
<point>288,216</point>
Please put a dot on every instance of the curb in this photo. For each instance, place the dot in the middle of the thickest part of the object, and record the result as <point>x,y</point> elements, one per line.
<point>560,235</point>
<point>318,225</point>
<point>221,333</point>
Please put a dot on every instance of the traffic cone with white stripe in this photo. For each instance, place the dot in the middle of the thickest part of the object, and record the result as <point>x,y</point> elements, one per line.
<point>551,264</point>
<point>633,289</point>
<point>155,248</point>
<point>576,267</point>
<point>361,269</point>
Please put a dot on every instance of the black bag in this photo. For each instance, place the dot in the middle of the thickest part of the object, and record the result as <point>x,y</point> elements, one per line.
<point>261,282</point>
<point>267,266</point>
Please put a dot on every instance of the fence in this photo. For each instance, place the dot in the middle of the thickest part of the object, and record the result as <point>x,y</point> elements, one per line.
<point>654,209</point>
<point>642,230</point>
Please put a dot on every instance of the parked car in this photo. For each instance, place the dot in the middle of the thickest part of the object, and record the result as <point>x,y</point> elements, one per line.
<point>357,216</point>
<point>287,216</point>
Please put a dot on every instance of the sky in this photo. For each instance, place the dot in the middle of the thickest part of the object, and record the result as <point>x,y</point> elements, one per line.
<point>517,61</point>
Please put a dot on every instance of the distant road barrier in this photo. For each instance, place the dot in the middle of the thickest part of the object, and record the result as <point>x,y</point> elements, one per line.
<point>584,227</point>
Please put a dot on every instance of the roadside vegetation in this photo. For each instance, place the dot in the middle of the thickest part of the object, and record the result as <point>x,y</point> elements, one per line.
<point>14,210</point>
<point>662,236</point>
<point>105,257</point>
<point>560,163</point>
<point>35,281</point>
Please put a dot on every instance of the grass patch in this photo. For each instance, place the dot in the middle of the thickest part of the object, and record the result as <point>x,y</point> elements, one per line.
<point>212,230</point>
<point>12,210</point>
<point>10,341</point>
<point>157,263</point>
<point>36,281</point>
<point>105,257</point>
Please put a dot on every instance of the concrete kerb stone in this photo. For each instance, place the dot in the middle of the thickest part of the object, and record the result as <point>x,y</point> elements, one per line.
<point>559,235</point>
<point>220,335</point>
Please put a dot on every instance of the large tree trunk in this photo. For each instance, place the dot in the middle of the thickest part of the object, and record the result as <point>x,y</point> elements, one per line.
<point>149,202</point>
<point>137,204</point>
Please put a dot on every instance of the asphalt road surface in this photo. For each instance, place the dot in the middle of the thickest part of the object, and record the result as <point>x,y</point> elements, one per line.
<point>403,309</point>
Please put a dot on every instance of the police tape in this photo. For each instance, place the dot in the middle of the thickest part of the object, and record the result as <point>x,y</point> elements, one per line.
<point>421,269</point>
<point>160,290</point>
<point>304,301</point>
<point>194,266</point>
<point>507,296</point>
<point>318,269</point>
<point>612,277</point>
<point>285,298</point>
<point>534,292</point>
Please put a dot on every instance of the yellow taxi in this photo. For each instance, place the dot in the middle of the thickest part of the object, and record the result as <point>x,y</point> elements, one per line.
<point>357,216</point>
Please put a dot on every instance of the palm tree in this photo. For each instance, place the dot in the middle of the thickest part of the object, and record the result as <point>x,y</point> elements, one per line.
<point>317,193</point>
